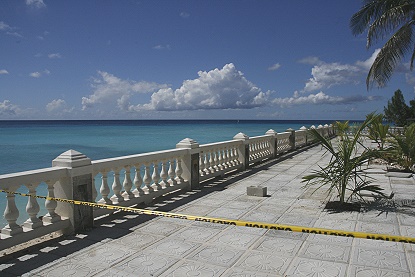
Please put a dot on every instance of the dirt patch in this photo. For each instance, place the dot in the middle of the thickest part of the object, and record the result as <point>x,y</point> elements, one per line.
<point>338,207</point>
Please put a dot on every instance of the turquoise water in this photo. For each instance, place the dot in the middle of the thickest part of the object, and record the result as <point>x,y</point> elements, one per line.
<point>27,145</point>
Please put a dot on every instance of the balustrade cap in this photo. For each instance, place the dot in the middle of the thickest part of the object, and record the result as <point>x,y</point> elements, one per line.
<point>241,136</point>
<point>289,130</point>
<point>320,126</point>
<point>312,127</point>
<point>303,128</point>
<point>271,132</point>
<point>187,143</point>
<point>72,159</point>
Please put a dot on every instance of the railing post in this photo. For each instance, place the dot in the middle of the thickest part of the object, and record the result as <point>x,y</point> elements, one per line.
<point>243,150</point>
<point>292,138</point>
<point>190,162</point>
<point>303,128</point>
<point>77,186</point>
<point>273,142</point>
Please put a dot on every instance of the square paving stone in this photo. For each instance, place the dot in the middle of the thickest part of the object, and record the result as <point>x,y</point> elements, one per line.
<point>191,268</point>
<point>195,233</point>
<point>264,262</point>
<point>377,258</point>
<point>242,272</point>
<point>310,267</point>
<point>364,271</point>
<point>160,228</point>
<point>326,252</point>
<point>286,246</point>
<point>136,240</point>
<point>146,264</point>
<point>213,254</point>
<point>234,239</point>
<point>174,247</point>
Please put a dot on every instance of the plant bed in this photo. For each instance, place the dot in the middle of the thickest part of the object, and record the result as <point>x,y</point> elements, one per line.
<point>338,207</point>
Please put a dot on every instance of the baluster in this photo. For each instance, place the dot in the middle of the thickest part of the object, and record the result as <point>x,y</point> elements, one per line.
<point>163,174</point>
<point>11,214</point>
<point>221,166</point>
<point>127,184</point>
<point>179,170</point>
<point>207,163</point>
<point>172,173</point>
<point>51,205</point>
<point>202,164</point>
<point>156,176</point>
<point>211,161</point>
<point>116,187</point>
<point>215,160</point>
<point>147,178</point>
<point>32,208</point>
<point>104,189</point>
<point>236,156</point>
<point>138,181</point>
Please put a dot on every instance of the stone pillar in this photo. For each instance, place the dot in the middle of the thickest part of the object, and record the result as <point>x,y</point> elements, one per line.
<point>274,142</point>
<point>243,150</point>
<point>292,138</point>
<point>77,186</point>
<point>190,162</point>
<point>304,129</point>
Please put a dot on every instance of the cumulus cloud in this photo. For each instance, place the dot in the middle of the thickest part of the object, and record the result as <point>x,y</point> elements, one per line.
<point>38,74</point>
<point>274,67</point>
<point>321,98</point>
<point>109,88</point>
<point>3,71</point>
<point>57,104</point>
<point>224,88</point>
<point>37,4</point>
<point>7,108</point>
<point>327,75</point>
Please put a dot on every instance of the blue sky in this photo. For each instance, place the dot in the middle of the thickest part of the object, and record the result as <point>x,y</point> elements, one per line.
<point>232,59</point>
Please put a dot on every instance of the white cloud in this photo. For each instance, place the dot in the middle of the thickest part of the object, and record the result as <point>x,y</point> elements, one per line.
<point>35,4</point>
<point>108,88</point>
<point>5,27</point>
<point>274,67</point>
<point>54,56</point>
<point>3,71</point>
<point>7,108</point>
<point>321,98</point>
<point>57,104</point>
<point>162,47</point>
<point>224,88</point>
<point>39,74</point>
<point>310,60</point>
<point>326,75</point>
<point>365,65</point>
<point>184,15</point>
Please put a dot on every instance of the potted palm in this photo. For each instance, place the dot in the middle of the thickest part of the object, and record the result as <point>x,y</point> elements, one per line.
<point>343,173</point>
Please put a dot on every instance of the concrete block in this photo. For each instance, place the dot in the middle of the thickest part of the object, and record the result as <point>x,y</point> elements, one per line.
<point>256,191</point>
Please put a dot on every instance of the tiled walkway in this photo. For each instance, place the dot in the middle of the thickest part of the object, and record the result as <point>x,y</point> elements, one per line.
<point>132,245</point>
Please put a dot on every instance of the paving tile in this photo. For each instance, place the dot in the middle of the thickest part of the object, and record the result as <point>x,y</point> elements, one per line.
<point>365,271</point>
<point>227,213</point>
<point>329,239</point>
<point>247,230</point>
<point>191,268</point>
<point>379,258</point>
<point>316,268</point>
<point>287,234</point>
<point>199,210</point>
<point>146,264</point>
<point>174,247</point>
<point>70,267</point>
<point>234,239</point>
<point>195,233</point>
<point>214,254</point>
<point>160,228</point>
<point>337,224</point>
<point>259,216</point>
<point>325,252</point>
<point>264,262</point>
<point>286,246</point>
<point>379,244</point>
<point>378,228</point>
<point>136,240</point>
<point>242,272</point>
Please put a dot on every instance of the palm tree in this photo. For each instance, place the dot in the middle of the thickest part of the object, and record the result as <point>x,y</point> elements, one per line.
<point>380,18</point>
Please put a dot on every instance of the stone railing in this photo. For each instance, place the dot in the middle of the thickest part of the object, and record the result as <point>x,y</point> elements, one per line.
<point>130,180</point>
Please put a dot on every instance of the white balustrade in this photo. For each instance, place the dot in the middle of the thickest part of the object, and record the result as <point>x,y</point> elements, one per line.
<point>154,174</point>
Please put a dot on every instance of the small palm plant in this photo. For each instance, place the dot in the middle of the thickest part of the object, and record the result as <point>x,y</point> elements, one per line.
<point>377,131</point>
<point>343,173</point>
<point>402,148</point>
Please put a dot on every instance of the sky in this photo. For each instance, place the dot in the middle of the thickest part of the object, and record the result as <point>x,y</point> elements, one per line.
<point>189,59</point>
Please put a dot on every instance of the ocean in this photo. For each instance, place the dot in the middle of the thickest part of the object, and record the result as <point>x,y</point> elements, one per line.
<point>33,144</point>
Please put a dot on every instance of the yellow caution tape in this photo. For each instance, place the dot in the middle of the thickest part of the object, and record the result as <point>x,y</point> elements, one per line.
<point>262,225</point>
